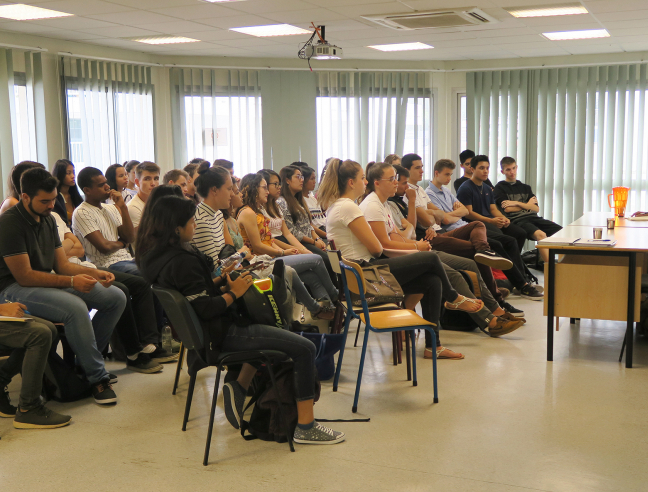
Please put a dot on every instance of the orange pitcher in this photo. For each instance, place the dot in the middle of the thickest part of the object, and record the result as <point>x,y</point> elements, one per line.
<point>620,196</point>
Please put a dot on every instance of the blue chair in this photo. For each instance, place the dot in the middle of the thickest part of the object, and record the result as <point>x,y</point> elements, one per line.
<point>381,321</point>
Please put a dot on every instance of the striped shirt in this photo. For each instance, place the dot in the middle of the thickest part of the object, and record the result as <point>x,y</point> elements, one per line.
<point>209,237</point>
<point>105,219</point>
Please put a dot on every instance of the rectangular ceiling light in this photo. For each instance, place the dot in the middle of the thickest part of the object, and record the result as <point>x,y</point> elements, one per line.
<point>547,11</point>
<point>165,40</point>
<point>271,30</point>
<point>568,35</point>
<point>20,11</point>
<point>401,47</point>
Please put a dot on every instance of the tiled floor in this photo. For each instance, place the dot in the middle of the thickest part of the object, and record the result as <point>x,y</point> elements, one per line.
<point>507,420</point>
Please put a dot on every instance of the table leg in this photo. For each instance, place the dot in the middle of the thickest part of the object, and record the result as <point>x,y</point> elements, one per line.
<point>550,303</point>
<point>629,338</point>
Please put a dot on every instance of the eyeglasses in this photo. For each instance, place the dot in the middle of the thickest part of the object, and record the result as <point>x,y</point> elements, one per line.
<point>299,177</point>
<point>264,187</point>
<point>391,180</point>
<point>277,184</point>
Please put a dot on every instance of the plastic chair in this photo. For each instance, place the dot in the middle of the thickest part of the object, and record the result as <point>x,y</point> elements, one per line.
<point>187,326</point>
<point>381,321</point>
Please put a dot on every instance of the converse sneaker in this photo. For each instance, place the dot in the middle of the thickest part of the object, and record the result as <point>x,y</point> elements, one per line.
<point>317,434</point>
<point>7,410</point>
<point>113,378</point>
<point>233,401</point>
<point>529,292</point>
<point>510,309</point>
<point>489,258</point>
<point>40,418</point>
<point>143,364</point>
<point>162,356</point>
<point>103,392</point>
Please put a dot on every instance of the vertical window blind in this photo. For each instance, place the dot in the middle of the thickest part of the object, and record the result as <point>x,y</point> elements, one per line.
<point>575,132</point>
<point>216,114</point>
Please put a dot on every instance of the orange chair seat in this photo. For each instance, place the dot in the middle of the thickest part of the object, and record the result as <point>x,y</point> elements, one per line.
<point>377,307</point>
<point>402,318</point>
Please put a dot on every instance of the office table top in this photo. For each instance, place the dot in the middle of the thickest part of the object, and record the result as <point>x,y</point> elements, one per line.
<point>599,219</point>
<point>628,238</point>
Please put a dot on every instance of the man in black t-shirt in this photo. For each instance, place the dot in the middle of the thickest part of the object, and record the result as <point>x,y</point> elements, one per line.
<point>520,205</point>
<point>465,157</point>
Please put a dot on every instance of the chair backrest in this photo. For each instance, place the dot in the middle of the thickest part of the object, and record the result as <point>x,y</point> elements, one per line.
<point>353,281</point>
<point>182,316</point>
<point>334,257</point>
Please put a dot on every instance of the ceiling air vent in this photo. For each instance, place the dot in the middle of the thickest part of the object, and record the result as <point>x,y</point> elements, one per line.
<point>433,19</point>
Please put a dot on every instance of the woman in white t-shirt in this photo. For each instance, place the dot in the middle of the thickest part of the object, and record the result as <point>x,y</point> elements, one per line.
<point>418,273</point>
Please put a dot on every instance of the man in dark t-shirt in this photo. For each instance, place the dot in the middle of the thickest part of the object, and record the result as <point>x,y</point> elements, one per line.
<point>520,205</point>
<point>465,158</point>
<point>30,250</point>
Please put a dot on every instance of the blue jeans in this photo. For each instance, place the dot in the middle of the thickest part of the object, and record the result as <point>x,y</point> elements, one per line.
<point>299,349</point>
<point>127,266</point>
<point>88,338</point>
<point>312,270</point>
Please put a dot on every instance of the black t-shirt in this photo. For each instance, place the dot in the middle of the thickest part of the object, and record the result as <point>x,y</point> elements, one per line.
<point>518,192</point>
<point>21,234</point>
<point>459,181</point>
<point>479,197</point>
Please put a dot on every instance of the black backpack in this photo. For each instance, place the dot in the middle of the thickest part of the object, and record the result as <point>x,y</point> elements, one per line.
<point>61,383</point>
<point>264,422</point>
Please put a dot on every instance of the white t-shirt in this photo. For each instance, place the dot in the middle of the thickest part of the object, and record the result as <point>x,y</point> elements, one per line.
<point>136,209</point>
<point>376,211</point>
<point>63,229</point>
<point>319,218</point>
<point>338,217</point>
<point>422,200</point>
<point>106,219</point>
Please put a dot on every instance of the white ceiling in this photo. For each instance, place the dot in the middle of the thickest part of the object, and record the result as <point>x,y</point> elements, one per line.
<point>106,22</point>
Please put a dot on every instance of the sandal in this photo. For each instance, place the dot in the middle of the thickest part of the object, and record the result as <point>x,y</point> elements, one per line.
<point>468,308</point>
<point>325,313</point>
<point>439,353</point>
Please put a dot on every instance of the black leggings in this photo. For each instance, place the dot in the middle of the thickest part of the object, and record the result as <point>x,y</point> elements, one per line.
<point>423,273</point>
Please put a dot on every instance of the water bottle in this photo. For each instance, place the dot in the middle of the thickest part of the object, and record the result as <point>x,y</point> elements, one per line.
<point>235,259</point>
<point>166,339</point>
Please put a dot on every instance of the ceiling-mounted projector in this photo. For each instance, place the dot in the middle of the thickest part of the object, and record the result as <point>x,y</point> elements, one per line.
<point>322,50</point>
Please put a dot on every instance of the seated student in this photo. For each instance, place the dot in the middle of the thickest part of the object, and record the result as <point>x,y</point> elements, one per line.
<point>178,177</point>
<point>465,158</point>
<point>117,179</point>
<point>30,249</point>
<point>232,226</point>
<point>417,273</point>
<point>214,186</point>
<point>192,171</point>
<point>31,342</point>
<point>105,232</point>
<point>479,201</point>
<point>318,218</point>
<point>69,197</point>
<point>255,229</point>
<point>520,206</point>
<point>225,164</point>
<point>393,159</point>
<point>295,211</point>
<point>166,258</point>
<point>147,177</point>
<point>13,183</point>
<point>454,210</point>
<point>489,316</point>
<point>131,167</point>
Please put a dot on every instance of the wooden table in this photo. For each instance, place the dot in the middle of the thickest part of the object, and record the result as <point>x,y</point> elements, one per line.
<point>599,219</point>
<point>596,283</point>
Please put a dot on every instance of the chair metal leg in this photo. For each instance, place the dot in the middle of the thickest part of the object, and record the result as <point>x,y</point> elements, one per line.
<point>347,323</point>
<point>399,346</point>
<point>178,369</point>
<point>408,335</point>
<point>338,318</point>
<point>286,425</point>
<point>622,349</point>
<point>434,365</point>
<point>354,409</point>
<point>414,379</point>
<point>394,348</point>
<point>211,415</point>
<point>192,384</point>
<point>355,344</point>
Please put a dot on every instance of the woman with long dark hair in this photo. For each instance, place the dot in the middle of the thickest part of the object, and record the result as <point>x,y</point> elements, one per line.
<point>165,257</point>
<point>117,179</point>
<point>318,219</point>
<point>69,197</point>
<point>13,183</point>
<point>130,167</point>
<point>307,268</point>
